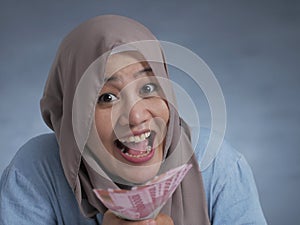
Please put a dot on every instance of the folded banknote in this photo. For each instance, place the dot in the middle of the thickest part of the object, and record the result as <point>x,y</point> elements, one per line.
<point>145,201</point>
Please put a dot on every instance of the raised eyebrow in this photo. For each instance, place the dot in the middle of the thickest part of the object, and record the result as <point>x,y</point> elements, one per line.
<point>115,77</point>
<point>111,78</point>
<point>145,70</point>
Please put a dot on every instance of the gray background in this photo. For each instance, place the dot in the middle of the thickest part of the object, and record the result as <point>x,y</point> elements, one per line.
<point>252,47</point>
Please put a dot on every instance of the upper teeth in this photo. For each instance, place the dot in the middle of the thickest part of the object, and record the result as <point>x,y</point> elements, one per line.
<point>137,138</point>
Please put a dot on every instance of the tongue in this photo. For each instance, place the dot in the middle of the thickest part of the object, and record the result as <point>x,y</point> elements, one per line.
<point>137,148</point>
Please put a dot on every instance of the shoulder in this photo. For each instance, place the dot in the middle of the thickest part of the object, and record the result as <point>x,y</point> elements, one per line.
<point>42,148</point>
<point>229,168</point>
<point>34,190</point>
<point>223,158</point>
<point>37,160</point>
<point>24,183</point>
<point>227,159</point>
<point>226,163</point>
<point>230,187</point>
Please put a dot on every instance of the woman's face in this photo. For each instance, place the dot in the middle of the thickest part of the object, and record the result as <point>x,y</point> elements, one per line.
<point>131,119</point>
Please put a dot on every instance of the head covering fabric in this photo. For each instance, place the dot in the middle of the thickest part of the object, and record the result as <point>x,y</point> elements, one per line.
<point>78,55</point>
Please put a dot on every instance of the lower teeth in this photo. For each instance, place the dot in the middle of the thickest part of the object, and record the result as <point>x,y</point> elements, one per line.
<point>148,150</point>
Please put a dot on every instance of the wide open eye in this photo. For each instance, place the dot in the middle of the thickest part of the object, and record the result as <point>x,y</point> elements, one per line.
<point>107,98</point>
<point>148,89</point>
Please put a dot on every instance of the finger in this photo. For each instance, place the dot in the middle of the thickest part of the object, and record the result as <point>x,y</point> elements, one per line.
<point>111,219</point>
<point>163,219</point>
<point>142,222</point>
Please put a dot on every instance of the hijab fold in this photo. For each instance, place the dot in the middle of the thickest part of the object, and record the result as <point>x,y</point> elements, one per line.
<point>68,106</point>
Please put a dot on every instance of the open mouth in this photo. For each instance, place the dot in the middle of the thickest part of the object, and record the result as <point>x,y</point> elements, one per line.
<point>137,148</point>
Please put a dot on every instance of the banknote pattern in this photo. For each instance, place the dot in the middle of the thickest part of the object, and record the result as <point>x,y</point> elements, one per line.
<point>143,202</point>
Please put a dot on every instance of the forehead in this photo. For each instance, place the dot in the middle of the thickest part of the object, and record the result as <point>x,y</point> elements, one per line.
<point>125,61</point>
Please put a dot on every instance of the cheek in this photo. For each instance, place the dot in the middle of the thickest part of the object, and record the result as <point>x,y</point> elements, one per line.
<point>166,112</point>
<point>103,124</point>
<point>161,110</point>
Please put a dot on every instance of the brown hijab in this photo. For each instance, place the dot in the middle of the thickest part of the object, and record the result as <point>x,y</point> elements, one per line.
<point>68,106</point>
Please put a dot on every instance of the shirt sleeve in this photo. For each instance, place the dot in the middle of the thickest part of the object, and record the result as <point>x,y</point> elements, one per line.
<point>236,200</point>
<point>21,202</point>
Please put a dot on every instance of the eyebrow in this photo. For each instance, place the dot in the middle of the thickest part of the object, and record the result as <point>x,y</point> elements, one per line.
<point>114,77</point>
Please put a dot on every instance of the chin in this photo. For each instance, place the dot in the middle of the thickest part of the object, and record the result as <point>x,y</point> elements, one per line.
<point>139,174</point>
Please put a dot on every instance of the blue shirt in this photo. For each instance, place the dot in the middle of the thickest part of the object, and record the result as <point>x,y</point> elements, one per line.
<point>34,190</point>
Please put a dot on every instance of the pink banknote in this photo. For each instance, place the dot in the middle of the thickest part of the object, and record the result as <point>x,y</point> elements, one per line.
<point>143,202</point>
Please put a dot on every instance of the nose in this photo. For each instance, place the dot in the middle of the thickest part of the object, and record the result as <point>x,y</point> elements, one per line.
<point>135,114</point>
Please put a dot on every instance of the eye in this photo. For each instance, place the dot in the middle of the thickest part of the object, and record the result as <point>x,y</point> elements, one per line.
<point>107,98</point>
<point>148,89</point>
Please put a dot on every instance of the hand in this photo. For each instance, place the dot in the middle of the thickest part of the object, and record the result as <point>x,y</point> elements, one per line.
<point>111,219</point>
<point>163,219</point>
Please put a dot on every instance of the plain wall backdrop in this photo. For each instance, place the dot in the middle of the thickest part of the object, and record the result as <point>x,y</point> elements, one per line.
<point>251,46</point>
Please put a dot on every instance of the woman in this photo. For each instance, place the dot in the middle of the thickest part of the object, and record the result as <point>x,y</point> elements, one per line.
<point>111,106</point>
